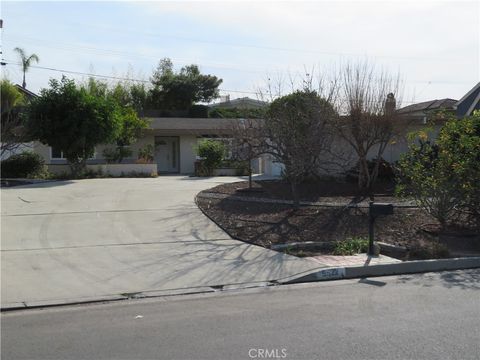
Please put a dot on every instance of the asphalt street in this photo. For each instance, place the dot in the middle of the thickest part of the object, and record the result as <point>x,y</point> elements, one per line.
<point>423,316</point>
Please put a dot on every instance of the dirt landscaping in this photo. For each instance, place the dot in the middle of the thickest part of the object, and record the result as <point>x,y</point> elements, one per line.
<point>246,217</point>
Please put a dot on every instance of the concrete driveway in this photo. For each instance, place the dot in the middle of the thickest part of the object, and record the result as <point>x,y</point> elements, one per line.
<point>92,239</point>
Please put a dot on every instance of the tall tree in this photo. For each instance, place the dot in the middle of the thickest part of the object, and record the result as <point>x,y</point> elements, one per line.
<point>370,123</point>
<point>127,103</point>
<point>27,61</point>
<point>180,90</point>
<point>70,118</point>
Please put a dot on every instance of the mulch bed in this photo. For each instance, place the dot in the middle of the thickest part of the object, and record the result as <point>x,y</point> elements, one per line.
<point>266,224</point>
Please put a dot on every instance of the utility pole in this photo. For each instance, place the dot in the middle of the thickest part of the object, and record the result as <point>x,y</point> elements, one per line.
<point>3,63</point>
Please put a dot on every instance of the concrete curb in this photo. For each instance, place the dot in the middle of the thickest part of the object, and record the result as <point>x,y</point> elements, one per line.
<point>60,302</point>
<point>149,294</point>
<point>407,267</point>
<point>324,274</point>
<point>360,205</point>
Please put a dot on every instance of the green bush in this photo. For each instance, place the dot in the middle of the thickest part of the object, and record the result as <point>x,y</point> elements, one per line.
<point>198,111</point>
<point>444,176</point>
<point>236,113</point>
<point>212,153</point>
<point>385,171</point>
<point>145,155</point>
<point>24,165</point>
<point>351,246</point>
<point>116,154</point>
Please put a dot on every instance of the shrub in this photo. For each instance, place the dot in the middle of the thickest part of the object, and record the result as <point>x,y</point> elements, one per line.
<point>198,111</point>
<point>117,154</point>
<point>212,153</point>
<point>24,165</point>
<point>236,113</point>
<point>351,246</point>
<point>385,171</point>
<point>444,176</point>
<point>145,155</point>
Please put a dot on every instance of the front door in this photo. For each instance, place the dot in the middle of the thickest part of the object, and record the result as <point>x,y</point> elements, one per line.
<point>166,154</point>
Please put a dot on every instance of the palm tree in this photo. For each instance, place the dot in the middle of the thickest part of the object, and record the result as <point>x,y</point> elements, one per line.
<point>26,62</point>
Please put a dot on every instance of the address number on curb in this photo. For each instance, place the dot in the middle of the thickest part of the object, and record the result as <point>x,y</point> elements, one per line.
<point>330,274</point>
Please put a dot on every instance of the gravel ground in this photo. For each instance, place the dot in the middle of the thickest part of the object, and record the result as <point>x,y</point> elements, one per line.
<point>266,224</point>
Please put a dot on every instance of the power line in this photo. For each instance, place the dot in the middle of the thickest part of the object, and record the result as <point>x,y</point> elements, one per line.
<point>126,55</point>
<point>271,48</point>
<point>9,62</point>
<point>219,65</point>
<point>109,76</point>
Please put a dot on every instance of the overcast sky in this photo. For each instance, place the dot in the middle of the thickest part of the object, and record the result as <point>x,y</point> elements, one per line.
<point>435,45</point>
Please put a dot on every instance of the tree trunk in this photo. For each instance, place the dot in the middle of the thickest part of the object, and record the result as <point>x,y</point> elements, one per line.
<point>373,178</point>
<point>296,199</point>
<point>78,167</point>
<point>363,175</point>
<point>250,174</point>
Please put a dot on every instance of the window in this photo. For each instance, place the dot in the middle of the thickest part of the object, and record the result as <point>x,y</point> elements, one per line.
<point>56,153</point>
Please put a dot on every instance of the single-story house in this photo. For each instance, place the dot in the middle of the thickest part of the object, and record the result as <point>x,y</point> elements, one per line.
<point>174,141</point>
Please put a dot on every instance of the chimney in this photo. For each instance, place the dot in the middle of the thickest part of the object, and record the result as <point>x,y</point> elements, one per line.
<point>390,104</point>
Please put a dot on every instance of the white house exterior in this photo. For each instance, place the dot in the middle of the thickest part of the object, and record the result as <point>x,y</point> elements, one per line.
<point>174,141</point>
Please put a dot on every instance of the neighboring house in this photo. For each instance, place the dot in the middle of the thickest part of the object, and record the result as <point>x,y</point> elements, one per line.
<point>240,103</point>
<point>469,103</point>
<point>421,112</point>
<point>27,93</point>
<point>23,146</point>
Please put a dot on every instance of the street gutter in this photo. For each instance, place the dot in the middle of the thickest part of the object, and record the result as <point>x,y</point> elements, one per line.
<point>407,267</point>
<point>325,274</point>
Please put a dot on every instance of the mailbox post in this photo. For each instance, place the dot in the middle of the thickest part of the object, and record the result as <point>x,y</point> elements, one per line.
<point>375,210</point>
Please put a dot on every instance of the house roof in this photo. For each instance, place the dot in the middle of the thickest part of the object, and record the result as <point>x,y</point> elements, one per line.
<point>427,106</point>
<point>191,125</point>
<point>244,102</point>
<point>469,102</point>
<point>26,92</point>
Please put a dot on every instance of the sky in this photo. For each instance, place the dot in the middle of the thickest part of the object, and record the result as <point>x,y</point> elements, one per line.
<point>433,45</point>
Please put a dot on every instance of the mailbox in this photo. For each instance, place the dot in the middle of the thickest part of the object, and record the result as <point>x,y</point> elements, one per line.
<point>381,209</point>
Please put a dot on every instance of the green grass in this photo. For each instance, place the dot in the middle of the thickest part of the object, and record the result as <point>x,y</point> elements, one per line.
<point>351,246</point>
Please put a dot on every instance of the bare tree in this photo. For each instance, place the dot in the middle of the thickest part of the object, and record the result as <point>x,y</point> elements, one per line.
<point>26,62</point>
<point>298,130</point>
<point>248,141</point>
<point>369,122</point>
<point>324,81</point>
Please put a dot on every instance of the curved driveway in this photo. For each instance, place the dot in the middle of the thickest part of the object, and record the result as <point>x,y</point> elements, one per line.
<point>92,239</point>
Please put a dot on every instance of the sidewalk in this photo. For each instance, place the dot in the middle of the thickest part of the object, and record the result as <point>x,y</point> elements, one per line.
<point>353,260</point>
